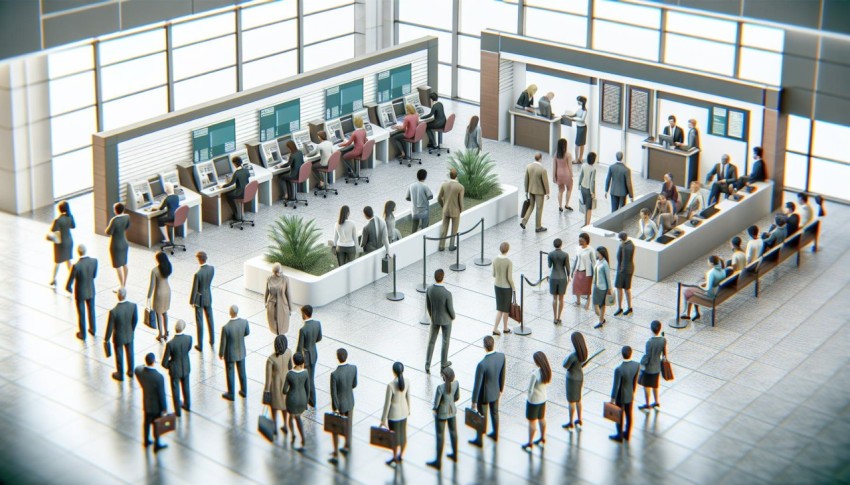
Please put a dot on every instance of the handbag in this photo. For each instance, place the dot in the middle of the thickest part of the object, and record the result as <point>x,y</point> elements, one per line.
<point>612,412</point>
<point>386,264</point>
<point>265,426</point>
<point>474,420</point>
<point>267,398</point>
<point>609,300</point>
<point>164,424</point>
<point>667,370</point>
<point>150,318</point>
<point>382,437</point>
<point>55,237</point>
<point>336,424</point>
<point>516,310</point>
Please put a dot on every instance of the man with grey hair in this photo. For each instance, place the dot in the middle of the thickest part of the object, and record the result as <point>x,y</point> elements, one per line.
<point>232,351</point>
<point>121,326</point>
<point>619,183</point>
<point>81,282</point>
<point>176,360</point>
<point>544,105</point>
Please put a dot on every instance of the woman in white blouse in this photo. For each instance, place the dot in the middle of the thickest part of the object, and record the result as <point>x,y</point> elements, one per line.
<point>583,270</point>
<point>648,229</point>
<point>345,238</point>
<point>579,118</point>
<point>535,406</point>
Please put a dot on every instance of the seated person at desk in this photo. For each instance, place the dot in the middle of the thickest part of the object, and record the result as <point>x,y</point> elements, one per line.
<point>696,201</point>
<point>325,149</point>
<point>526,98</point>
<point>408,129</point>
<point>439,121</point>
<point>693,137</point>
<point>239,180</point>
<point>648,229</point>
<point>170,203</point>
<point>778,232</point>
<point>757,174</point>
<point>671,192</point>
<point>358,139</point>
<point>544,105</point>
<point>287,182</point>
<point>664,214</point>
<point>674,131</point>
<point>727,176</point>
<point>708,289</point>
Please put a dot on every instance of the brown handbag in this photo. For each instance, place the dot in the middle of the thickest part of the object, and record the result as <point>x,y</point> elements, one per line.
<point>516,309</point>
<point>382,437</point>
<point>474,420</point>
<point>667,370</point>
<point>336,424</point>
<point>164,424</point>
<point>612,412</point>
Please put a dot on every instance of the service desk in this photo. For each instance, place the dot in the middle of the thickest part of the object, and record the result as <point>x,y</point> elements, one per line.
<point>656,261</point>
<point>144,229</point>
<point>682,164</point>
<point>532,131</point>
<point>216,211</point>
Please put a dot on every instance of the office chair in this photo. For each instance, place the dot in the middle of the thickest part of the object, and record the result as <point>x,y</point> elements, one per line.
<point>180,216</point>
<point>247,197</point>
<point>303,176</point>
<point>366,154</point>
<point>409,142</point>
<point>450,123</point>
<point>333,163</point>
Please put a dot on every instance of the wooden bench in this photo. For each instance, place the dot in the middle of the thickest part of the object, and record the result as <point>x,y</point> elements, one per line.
<point>737,281</point>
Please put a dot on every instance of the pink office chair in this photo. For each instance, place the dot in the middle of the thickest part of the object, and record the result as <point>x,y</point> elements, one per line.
<point>247,198</point>
<point>303,176</point>
<point>409,142</point>
<point>450,123</point>
<point>366,154</point>
<point>180,216</point>
<point>333,163</point>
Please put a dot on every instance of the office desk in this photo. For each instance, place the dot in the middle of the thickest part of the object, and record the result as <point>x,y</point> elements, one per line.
<point>144,229</point>
<point>215,211</point>
<point>682,164</point>
<point>532,131</point>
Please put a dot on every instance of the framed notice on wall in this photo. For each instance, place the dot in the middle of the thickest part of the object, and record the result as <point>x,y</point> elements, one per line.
<point>728,122</point>
<point>639,107</point>
<point>612,103</point>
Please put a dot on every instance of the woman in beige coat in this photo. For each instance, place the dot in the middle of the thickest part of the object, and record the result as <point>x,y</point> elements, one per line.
<point>278,303</point>
<point>277,366</point>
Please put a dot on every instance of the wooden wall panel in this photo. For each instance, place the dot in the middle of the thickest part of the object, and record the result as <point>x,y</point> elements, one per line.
<point>774,133</point>
<point>490,95</point>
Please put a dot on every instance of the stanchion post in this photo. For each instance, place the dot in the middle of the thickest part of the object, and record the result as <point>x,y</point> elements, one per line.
<point>521,330</point>
<point>395,295</point>
<point>457,266</point>
<point>482,261</point>
<point>424,286</point>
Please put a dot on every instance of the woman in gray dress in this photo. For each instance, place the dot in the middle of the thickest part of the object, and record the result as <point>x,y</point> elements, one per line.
<point>277,367</point>
<point>601,285</point>
<point>278,303</point>
<point>296,386</point>
<point>159,294</point>
<point>63,247</point>
<point>574,363</point>
<point>656,348</point>
<point>118,246</point>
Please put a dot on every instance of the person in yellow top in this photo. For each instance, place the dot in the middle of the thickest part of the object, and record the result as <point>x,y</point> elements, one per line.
<point>536,187</point>
<point>450,199</point>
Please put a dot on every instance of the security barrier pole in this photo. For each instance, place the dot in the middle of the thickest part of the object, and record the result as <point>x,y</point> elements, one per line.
<point>481,260</point>
<point>395,295</point>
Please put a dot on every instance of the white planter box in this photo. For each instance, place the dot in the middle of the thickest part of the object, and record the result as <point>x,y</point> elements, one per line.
<point>306,289</point>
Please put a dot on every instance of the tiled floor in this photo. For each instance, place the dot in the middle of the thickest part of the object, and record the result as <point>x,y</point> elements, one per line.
<point>761,398</point>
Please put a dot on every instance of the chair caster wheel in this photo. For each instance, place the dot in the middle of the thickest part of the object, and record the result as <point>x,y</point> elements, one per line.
<point>325,196</point>
<point>306,204</point>
<point>184,250</point>
<point>448,151</point>
<point>241,228</point>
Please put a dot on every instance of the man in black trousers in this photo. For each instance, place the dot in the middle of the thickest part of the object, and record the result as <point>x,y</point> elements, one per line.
<point>81,280</point>
<point>308,336</point>
<point>201,299</point>
<point>438,301</point>
<point>232,351</point>
<point>238,180</point>
<point>343,382</point>
<point>121,326</point>
<point>623,393</point>
<point>153,398</point>
<point>488,387</point>
<point>176,360</point>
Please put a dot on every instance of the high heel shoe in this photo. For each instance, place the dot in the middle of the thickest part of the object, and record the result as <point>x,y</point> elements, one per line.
<point>527,447</point>
<point>695,317</point>
<point>560,209</point>
<point>540,442</point>
<point>497,333</point>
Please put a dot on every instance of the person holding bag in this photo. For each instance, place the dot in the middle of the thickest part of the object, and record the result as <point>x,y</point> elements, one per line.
<point>587,186</point>
<point>656,348</point>
<point>396,411</point>
<point>503,273</point>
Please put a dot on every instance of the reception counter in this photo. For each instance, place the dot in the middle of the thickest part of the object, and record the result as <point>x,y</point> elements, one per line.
<point>682,164</point>
<point>532,131</point>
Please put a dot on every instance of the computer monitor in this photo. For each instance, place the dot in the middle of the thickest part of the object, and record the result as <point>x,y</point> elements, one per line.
<point>413,99</point>
<point>156,186</point>
<point>171,177</point>
<point>347,124</point>
<point>386,115</point>
<point>398,108</point>
<point>223,167</point>
<point>662,138</point>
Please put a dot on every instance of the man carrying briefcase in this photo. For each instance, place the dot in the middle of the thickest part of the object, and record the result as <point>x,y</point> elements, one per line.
<point>153,398</point>
<point>343,382</point>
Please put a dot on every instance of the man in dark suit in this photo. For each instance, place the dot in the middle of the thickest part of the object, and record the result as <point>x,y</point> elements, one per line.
<point>438,301</point>
<point>792,219</point>
<point>623,392</point>
<point>374,232</point>
<point>674,131</point>
<point>153,398</point>
<point>692,138</point>
<point>239,180</point>
<point>778,232</point>
<point>625,270</point>
<point>201,299</point>
<point>488,387</point>
<point>727,176</point>
<point>757,172</point>
<point>309,334</point>
<point>343,382</point>
<point>81,280</point>
<point>619,182</point>
<point>232,351</point>
<point>176,360</point>
<point>439,121</point>
<point>121,326</point>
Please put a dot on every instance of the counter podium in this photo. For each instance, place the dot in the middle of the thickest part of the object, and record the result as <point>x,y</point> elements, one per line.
<point>532,131</point>
<point>682,164</point>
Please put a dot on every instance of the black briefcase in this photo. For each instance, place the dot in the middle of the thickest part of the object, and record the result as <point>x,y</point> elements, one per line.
<point>336,424</point>
<point>474,420</point>
<point>386,265</point>
<point>525,205</point>
<point>382,437</point>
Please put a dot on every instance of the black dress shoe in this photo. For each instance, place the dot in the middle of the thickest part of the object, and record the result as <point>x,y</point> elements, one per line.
<point>227,396</point>
<point>629,311</point>
<point>158,447</point>
<point>391,462</point>
<point>527,447</point>
<point>178,413</point>
<point>186,408</point>
<point>452,457</point>
<point>616,437</point>
<point>434,464</point>
<point>199,348</point>
<point>243,394</point>
<point>522,225</point>
<point>476,442</point>
<point>333,460</point>
<point>147,443</point>
<point>541,229</point>
<point>685,317</point>
<point>117,376</point>
<point>599,325</point>
<point>81,336</point>
<point>695,317</point>
<point>493,436</point>
<point>540,442</point>
<point>618,312</point>
<point>452,248</point>
<point>441,249</point>
<point>427,368</point>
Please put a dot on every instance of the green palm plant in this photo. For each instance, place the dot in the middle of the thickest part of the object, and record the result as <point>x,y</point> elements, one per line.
<point>295,243</point>
<point>476,171</point>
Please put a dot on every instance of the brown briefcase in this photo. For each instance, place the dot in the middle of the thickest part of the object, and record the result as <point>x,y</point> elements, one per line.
<point>164,424</point>
<point>516,310</point>
<point>336,424</point>
<point>382,437</point>
<point>474,420</point>
<point>667,370</point>
<point>612,412</point>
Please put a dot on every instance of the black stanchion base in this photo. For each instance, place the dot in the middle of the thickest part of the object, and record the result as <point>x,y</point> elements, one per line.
<point>458,267</point>
<point>395,296</point>
<point>522,330</point>
<point>679,324</point>
<point>482,262</point>
<point>421,288</point>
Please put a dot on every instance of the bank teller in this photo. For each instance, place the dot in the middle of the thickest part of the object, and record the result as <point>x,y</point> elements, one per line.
<point>408,129</point>
<point>324,149</point>
<point>358,139</point>
<point>170,204</point>
<point>239,180</point>
<point>526,98</point>
<point>287,183</point>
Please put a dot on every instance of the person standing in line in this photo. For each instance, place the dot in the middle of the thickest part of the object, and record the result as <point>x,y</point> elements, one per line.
<point>579,118</point>
<point>487,389</point>
<point>587,185</point>
<point>278,302</point>
<point>450,199</point>
<point>562,174</point>
<point>619,183</point>
<point>153,398</point>
<point>472,138</point>
<point>374,233</point>
<point>648,229</point>
<point>755,246</point>
<point>445,412</point>
<point>535,406</point>
<point>278,365</point>
<point>536,188</point>
<point>308,336</point>
<point>297,389</point>
<point>739,258</point>
<point>232,351</point>
<point>169,204</point>
<point>656,348</point>
<point>81,279</point>
<point>201,300</point>
<point>583,270</point>
<point>118,245</point>
<point>625,271</point>
<point>159,293</point>
<point>63,246</point>
<point>713,277</point>
<point>396,411</point>
<point>121,326</point>
<point>623,393</point>
<point>343,382</point>
<point>176,360</point>
<point>574,363</point>
<point>601,284</point>
<point>438,301</point>
<point>345,238</point>
<point>503,273</point>
<point>419,194</point>
<point>389,218</point>
<point>438,121</point>
<point>559,279</point>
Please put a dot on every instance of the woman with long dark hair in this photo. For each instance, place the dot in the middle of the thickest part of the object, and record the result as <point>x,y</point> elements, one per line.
<point>535,406</point>
<point>277,366</point>
<point>574,363</point>
<point>562,174</point>
<point>472,138</point>
<point>602,286</point>
<point>60,236</point>
<point>288,186</point>
<point>587,185</point>
<point>396,411</point>
<point>159,293</point>
<point>579,118</point>
<point>345,238</point>
<point>392,233</point>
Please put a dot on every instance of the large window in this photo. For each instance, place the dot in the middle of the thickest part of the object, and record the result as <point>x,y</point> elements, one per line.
<point>817,159</point>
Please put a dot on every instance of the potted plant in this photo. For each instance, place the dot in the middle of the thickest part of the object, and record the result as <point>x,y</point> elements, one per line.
<point>476,171</point>
<point>294,243</point>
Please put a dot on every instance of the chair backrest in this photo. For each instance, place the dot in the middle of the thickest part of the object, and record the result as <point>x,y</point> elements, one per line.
<point>450,123</point>
<point>333,161</point>
<point>368,148</point>
<point>250,191</point>
<point>420,132</point>
<point>180,216</point>
<point>304,174</point>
